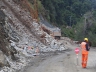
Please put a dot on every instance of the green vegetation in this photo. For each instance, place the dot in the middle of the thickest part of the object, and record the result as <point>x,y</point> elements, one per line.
<point>76,18</point>
<point>66,12</point>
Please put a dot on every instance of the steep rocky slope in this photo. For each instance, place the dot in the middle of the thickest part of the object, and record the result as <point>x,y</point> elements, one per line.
<point>22,37</point>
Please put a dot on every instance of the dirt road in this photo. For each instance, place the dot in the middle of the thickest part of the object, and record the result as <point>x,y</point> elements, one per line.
<point>62,62</point>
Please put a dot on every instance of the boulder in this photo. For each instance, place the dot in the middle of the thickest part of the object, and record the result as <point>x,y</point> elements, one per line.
<point>3,61</point>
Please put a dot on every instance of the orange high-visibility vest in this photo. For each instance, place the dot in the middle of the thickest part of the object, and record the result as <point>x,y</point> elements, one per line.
<point>83,47</point>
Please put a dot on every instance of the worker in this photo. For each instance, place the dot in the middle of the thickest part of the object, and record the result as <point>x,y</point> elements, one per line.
<point>84,48</point>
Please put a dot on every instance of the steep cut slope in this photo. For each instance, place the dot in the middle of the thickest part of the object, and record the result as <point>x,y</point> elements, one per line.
<point>26,36</point>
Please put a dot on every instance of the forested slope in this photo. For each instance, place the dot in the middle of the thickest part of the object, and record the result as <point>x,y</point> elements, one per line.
<point>62,11</point>
<point>76,18</point>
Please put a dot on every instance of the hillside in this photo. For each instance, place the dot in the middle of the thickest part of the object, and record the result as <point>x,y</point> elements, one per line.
<point>62,12</point>
<point>75,18</point>
<point>21,37</point>
<point>27,45</point>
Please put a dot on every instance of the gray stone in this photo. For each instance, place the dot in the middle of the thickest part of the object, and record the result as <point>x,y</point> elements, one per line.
<point>3,61</point>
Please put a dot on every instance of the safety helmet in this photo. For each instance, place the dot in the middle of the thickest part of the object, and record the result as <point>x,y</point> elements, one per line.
<point>85,39</point>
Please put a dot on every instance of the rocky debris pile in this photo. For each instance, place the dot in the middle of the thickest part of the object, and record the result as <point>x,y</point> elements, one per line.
<point>25,37</point>
<point>35,28</point>
<point>3,61</point>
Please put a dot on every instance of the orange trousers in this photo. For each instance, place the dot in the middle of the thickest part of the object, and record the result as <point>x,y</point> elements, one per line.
<point>84,60</point>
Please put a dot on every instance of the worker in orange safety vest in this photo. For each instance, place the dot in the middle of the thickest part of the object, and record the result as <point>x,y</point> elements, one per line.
<point>84,49</point>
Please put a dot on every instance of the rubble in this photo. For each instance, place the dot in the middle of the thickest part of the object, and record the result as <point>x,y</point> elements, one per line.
<point>3,61</point>
<point>26,39</point>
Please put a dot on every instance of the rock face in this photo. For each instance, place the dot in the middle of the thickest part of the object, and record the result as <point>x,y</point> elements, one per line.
<point>3,35</point>
<point>3,41</point>
<point>22,37</point>
<point>3,61</point>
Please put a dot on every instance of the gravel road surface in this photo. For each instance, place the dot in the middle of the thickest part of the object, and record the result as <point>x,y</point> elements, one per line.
<point>62,62</point>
